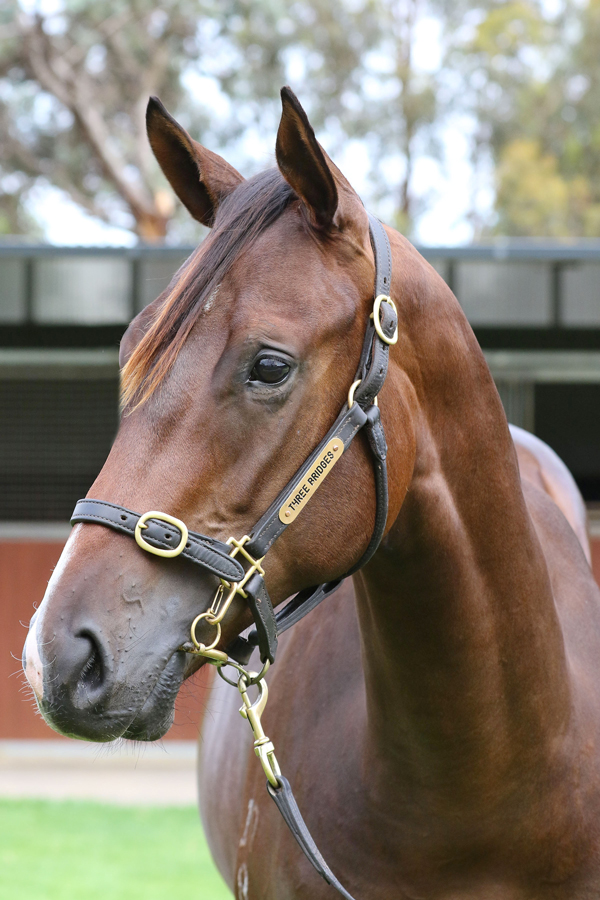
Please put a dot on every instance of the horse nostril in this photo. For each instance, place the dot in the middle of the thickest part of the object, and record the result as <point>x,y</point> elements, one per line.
<point>91,675</point>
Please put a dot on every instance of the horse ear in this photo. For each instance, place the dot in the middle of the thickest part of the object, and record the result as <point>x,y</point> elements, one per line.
<point>200,179</point>
<point>303,162</point>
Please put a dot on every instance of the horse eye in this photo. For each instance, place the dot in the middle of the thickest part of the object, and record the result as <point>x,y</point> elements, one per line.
<point>270,370</point>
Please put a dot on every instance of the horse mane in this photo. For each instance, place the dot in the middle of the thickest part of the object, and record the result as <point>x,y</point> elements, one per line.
<point>241,218</point>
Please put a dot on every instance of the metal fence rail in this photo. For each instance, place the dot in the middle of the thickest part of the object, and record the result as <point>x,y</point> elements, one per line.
<point>46,285</point>
<point>525,284</point>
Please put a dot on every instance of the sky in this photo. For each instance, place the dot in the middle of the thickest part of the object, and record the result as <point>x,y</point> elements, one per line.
<point>445,224</point>
<point>448,184</point>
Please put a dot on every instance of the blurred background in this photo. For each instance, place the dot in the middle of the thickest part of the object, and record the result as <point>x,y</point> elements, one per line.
<point>474,128</point>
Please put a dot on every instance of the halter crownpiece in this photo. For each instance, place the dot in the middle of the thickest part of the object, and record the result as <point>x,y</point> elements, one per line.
<point>163,535</point>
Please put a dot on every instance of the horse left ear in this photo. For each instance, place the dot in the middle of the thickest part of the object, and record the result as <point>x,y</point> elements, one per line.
<point>303,162</point>
<point>201,179</point>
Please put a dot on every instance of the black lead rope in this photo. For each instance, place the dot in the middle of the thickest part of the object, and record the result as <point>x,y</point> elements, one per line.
<point>287,806</point>
<point>163,535</point>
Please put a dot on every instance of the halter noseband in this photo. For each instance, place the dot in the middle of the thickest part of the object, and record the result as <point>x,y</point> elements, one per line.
<point>163,535</point>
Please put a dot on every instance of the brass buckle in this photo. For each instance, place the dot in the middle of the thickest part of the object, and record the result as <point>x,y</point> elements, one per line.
<point>219,606</point>
<point>381,298</point>
<point>169,520</point>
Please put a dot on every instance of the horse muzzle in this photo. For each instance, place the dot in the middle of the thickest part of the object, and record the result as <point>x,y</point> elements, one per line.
<point>75,679</point>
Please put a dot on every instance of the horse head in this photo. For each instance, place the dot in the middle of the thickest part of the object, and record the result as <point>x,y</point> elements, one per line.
<point>229,380</point>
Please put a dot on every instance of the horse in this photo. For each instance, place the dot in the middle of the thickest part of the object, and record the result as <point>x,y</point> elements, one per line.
<point>439,715</point>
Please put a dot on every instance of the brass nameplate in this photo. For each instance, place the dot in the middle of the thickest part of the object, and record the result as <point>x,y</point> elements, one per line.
<point>317,474</point>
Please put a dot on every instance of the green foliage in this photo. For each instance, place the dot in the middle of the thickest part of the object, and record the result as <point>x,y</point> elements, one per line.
<point>535,198</point>
<point>532,196</point>
<point>520,77</point>
<point>531,81</point>
<point>87,851</point>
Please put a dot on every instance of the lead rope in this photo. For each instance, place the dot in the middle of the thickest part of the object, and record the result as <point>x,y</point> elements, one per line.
<point>278,787</point>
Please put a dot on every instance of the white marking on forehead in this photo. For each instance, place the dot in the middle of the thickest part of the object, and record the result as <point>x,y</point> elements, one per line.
<point>210,302</point>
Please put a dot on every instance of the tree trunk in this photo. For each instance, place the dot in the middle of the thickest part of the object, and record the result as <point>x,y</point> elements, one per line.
<point>151,228</point>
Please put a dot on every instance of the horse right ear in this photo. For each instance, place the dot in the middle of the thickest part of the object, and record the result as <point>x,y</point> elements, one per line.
<point>303,162</point>
<point>200,179</point>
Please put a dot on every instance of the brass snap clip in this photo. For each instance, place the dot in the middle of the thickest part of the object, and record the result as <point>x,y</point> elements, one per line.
<point>263,746</point>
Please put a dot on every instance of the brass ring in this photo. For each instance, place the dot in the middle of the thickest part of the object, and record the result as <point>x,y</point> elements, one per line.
<point>381,298</point>
<point>169,520</point>
<point>250,677</point>
<point>351,393</point>
<point>202,647</point>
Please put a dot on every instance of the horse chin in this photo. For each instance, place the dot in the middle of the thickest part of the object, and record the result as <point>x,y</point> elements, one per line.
<point>156,715</point>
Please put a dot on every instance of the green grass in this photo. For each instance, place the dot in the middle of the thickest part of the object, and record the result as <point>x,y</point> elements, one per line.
<point>88,851</point>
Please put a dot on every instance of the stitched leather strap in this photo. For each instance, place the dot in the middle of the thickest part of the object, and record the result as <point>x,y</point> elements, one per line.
<point>242,648</point>
<point>372,371</point>
<point>305,601</point>
<point>214,555</point>
<point>383,256</point>
<point>264,617</point>
<point>373,365</point>
<point>269,527</point>
<point>287,806</point>
<point>207,552</point>
<point>376,437</point>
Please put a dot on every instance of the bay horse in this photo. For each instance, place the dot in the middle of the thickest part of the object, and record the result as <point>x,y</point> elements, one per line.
<point>438,716</point>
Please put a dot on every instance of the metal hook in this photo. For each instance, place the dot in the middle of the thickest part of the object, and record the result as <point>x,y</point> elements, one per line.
<point>263,746</point>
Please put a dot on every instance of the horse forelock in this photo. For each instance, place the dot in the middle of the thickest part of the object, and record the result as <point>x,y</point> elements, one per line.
<point>245,214</point>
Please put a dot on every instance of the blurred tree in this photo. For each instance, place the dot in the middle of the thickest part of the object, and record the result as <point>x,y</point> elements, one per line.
<point>531,75</point>
<point>74,90</point>
<point>74,86</point>
<point>532,196</point>
<point>391,102</point>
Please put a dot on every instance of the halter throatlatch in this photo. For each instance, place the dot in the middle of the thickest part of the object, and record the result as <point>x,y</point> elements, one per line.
<point>238,563</point>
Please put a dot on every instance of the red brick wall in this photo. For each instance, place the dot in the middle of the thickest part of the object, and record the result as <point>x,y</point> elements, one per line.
<point>25,568</point>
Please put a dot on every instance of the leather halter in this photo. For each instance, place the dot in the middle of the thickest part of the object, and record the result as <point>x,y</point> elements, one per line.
<point>166,536</point>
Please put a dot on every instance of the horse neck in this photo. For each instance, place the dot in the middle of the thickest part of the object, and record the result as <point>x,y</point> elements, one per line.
<point>463,654</point>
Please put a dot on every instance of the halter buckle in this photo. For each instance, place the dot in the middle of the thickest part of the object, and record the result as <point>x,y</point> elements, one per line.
<point>169,520</point>
<point>384,298</point>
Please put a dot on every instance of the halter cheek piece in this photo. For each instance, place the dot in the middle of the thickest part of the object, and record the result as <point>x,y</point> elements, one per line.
<point>238,564</point>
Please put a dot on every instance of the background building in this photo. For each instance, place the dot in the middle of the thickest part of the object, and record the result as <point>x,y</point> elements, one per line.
<point>535,308</point>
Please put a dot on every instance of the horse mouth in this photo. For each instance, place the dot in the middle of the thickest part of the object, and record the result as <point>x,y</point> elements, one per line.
<point>156,715</point>
<point>102,722</point>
